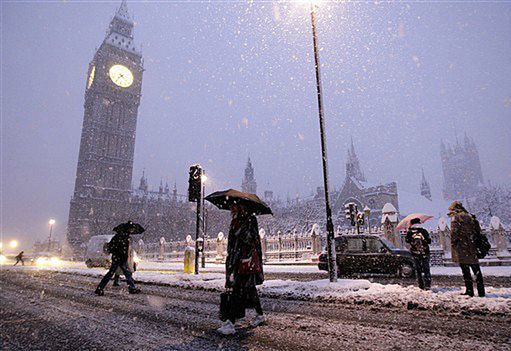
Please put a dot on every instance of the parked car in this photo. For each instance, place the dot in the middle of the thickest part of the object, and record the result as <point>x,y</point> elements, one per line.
<point>97,254</point>
<point>361,254</point>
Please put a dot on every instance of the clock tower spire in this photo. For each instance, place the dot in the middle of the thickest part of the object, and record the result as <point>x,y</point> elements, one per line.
<point>107,146</point>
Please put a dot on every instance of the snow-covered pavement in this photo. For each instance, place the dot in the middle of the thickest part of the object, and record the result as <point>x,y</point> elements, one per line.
<point>353,291</point>
<point>49,310</point>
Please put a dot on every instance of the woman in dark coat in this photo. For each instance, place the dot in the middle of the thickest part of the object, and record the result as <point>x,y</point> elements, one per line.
<point>243,267</point>
<point>464,250</point>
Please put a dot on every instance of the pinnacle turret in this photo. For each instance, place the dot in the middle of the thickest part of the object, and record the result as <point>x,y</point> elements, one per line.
<point>353,168</point>
<point>425,188</point>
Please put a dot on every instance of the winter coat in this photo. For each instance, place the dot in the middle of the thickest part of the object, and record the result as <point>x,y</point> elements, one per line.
<point>243,236</point>
<point>426,240</point>
<point>131,260</point>
<point>119,247</point>
<point>463,247</point>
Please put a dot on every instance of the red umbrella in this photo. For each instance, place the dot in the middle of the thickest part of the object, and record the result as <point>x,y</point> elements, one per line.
<point>405,223</point>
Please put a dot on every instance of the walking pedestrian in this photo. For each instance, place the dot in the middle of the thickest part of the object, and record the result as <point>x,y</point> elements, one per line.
<point>243,266</point>
<point>118,247</point>
<point>464,232</point>
<point>19,258</point>
<point>419,241</point>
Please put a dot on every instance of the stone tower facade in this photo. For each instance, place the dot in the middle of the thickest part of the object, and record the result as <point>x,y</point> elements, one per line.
<point>105,161</point>
<point>249,184</point>
<point>461,169</point>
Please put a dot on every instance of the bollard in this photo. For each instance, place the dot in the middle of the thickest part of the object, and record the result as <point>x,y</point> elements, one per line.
<point>189,260</point>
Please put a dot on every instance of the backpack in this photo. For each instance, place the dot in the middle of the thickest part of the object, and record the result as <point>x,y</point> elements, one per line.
<point>483,246</point>
<point>417,246</point>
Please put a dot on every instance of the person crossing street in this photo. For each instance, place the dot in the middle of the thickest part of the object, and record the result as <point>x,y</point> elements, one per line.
<point>19,258</point>
<point>119,248</point>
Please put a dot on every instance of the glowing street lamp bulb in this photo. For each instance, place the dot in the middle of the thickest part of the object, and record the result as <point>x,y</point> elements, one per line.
<point>13,244</point>
<point>204,178</point>
<point>51,221</point>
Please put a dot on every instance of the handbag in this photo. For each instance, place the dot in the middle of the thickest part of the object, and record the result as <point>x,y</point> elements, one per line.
<point>249,264</point>
<point>231,306</point>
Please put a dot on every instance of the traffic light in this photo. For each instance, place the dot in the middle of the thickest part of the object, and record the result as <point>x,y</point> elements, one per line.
<point>360,218</point>
<point>350,210</point>
<point>194,183</point>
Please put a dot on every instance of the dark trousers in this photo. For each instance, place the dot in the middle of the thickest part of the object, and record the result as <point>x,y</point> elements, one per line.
<point>113,268</point>
<point>20,260</point>
<point>467,277</point>
<point>422,271</point>
<point>244,298</point>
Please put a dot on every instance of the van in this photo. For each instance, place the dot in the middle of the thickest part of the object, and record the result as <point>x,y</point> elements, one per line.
<point>96,254</point>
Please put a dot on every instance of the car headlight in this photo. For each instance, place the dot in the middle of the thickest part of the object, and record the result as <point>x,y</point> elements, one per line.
<point>3,258</point>
<point>41,260</point>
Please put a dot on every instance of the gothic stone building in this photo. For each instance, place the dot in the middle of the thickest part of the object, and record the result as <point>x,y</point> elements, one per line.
<point>461,167</point>
<point>357,189</point>
<point>248,184</point>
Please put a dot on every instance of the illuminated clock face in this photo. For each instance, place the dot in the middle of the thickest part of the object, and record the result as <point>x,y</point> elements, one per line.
<point>91,76</point>
<point>121,75</point>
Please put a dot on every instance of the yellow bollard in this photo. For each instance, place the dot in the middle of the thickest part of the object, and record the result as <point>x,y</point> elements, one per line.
<point>189,260</point>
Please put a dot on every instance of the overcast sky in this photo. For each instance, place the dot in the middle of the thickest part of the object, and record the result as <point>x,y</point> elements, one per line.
<point>225,80</point>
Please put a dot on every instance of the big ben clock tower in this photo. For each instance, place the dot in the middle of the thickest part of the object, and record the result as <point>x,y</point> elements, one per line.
<point>105,162</point>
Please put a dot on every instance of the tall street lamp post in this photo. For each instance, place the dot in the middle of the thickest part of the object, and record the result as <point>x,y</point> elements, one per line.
<point>332,264</point>
<point>51,222</point>
<point>203,181</point>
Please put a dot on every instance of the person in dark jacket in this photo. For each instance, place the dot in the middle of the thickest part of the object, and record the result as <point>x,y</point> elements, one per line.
<point>419,241</point>
<point>118,247</point>
<point>19,258</point>
<point>463,247</point>
<point>243,267</point>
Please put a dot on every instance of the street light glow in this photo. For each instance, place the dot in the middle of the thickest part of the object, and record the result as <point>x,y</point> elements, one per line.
<point>51,221</point>
<point>13,244</point>
<point>204,178</point>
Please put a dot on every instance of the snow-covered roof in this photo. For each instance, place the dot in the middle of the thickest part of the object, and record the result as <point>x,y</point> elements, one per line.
<point>495,223</point>
<point>388,208</point>
<point>442,223</point>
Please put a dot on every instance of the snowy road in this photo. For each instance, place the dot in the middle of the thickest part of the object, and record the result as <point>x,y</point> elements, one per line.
<point>45,310</point>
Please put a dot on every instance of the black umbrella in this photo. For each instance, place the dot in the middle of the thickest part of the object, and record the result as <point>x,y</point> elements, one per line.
<point>129,227</point>
<point>225,199</point>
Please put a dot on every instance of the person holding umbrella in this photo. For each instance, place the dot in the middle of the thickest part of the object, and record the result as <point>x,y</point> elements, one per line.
<point>419,241</point>
<point>118,247</point>
<point>244,264</point>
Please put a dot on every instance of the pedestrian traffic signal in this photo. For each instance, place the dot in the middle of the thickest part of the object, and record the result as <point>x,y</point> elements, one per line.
<point>195,183</point>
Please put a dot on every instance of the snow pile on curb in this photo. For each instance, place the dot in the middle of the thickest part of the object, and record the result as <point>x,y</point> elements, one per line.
<point>312,290</point>
<point>497,300</point>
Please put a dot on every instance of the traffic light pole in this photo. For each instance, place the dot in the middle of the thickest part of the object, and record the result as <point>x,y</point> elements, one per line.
<point>197,235</point>
<point>356,221</point>
<point>332,261</point>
